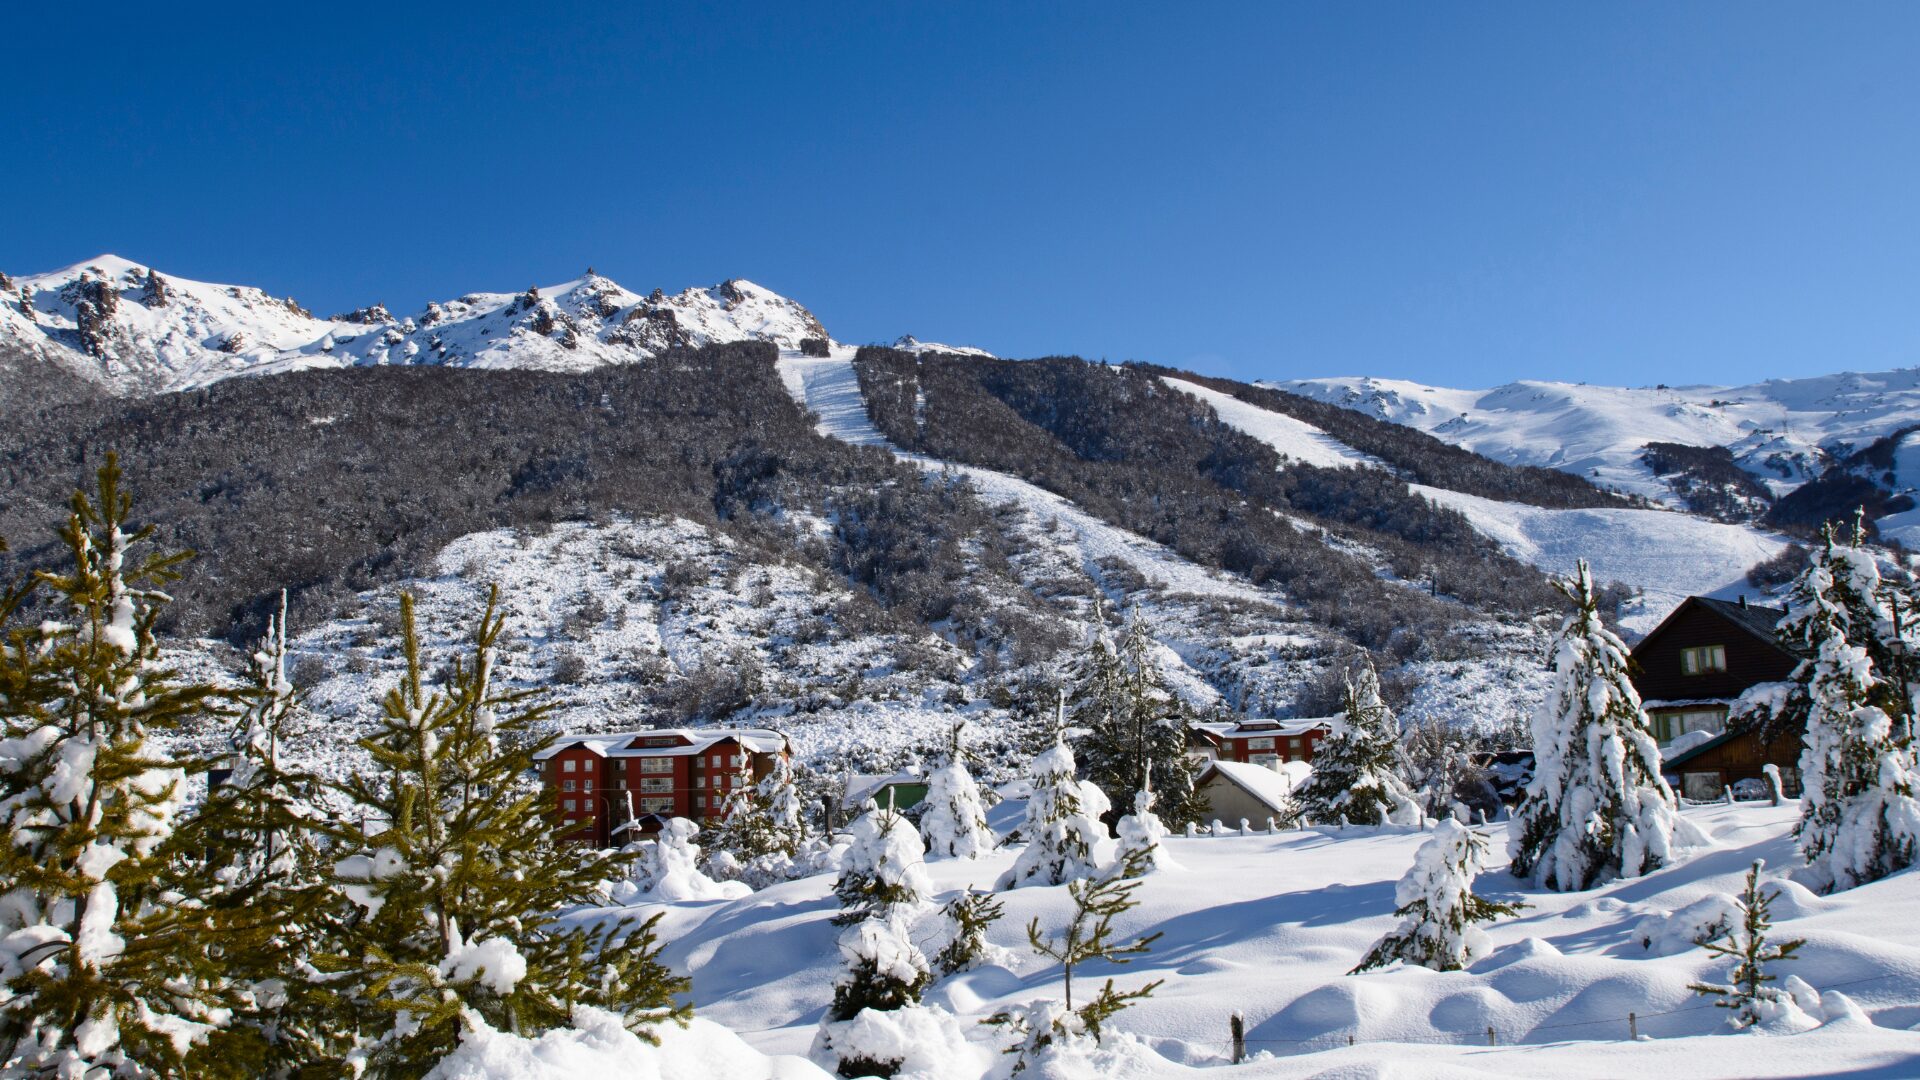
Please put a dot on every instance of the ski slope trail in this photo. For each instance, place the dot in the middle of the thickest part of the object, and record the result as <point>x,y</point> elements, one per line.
<point>1666,554</point>
<point>830,387</point>
<point>1290,437</point>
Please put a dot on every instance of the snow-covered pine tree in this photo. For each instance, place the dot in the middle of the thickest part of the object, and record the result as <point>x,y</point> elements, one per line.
<point>1141,832</point>
<point>750,842</point>
<point>883,868</point>
<point>954,823</point>
<point>1597,807</point>
<point>883,888</point>
<point>1437,905</point>
<point>268,880</point>
<point>1874,613</point>
<point>460,876</point>
<point>1356,770</point>
<point>1135,726</point>
<point>107,965</point>
<point>966,946</point>
<point>1859,820</point>
<point>1746,992</point>
<point>1062,825</point>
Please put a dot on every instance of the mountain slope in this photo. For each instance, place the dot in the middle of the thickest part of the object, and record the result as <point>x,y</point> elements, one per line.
<point>1783,431</point>
<point>134,330</point>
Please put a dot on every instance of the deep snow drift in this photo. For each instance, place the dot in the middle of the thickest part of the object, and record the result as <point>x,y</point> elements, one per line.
<point>1269,926</point>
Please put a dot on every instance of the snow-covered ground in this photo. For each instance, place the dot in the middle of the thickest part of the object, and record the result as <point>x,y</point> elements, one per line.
<point>1666,554</point>
<point>1269,925</point>
<point>1781,430</point>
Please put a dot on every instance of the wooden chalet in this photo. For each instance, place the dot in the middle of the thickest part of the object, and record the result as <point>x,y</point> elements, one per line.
<point>1689,671</point>
<point>1257,742</point>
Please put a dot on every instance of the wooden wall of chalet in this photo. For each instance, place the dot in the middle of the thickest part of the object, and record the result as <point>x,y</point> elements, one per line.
<point>1742,758</point>
<point>1749,660</point>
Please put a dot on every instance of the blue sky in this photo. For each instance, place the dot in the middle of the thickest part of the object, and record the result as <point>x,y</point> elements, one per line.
<point>1458,193</point>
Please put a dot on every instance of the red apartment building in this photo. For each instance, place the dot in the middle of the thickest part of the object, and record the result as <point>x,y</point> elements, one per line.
<point>1257,742</point>
<point>602,784</point>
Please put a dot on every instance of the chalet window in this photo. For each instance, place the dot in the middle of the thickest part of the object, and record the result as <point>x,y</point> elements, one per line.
<point>1268,760</point>
<point>656,765</point>
<point>568,767</point>
<point>1260,744</point>
<point>1293,744</point>
<point>737,760</point>
<point>1702,659</point>
<point>566,785</point>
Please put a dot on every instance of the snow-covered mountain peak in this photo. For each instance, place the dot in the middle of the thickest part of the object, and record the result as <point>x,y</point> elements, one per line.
<point>909,343</point>
<point>134,329</point>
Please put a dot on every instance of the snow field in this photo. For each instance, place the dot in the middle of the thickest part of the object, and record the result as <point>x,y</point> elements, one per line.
<point>1669,556</point>
<point>1268,925</point>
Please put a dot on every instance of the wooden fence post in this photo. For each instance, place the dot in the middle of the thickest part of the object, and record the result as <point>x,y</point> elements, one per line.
<point>1238,1027</point>
<point>1490,1041</point>
<point>1633,1027</point>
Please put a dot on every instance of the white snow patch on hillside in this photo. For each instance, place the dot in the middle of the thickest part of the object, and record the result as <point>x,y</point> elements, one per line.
<point>1782,430</point>
<point>1667,554</point>
<point>1556,985</point>
<point>831,389</point>
<point>1291,438</point>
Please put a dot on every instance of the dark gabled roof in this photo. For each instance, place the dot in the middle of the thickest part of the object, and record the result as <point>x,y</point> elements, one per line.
<point>1761,621</point>
<point>1697,749</point>
<point>1755,619</point>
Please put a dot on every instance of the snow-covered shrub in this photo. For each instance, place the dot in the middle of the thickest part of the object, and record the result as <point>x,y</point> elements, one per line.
<point>954,821</point>
<point>1141,833</point>
<point>1709,918</point>
<point>668,869</point>
<point>1597,807</point>
<point>1437,905</point>
<point>1062,826</point>
<point>883,868</point>
<point>1356,769</point>
<point>882,889</point>
<point>963,940</point>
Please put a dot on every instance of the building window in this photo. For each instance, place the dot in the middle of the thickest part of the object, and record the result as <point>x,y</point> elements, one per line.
<point>699,800</point>
<point>656,765</point>
<point>656,806</point>
<point>571,805</point>
<point>1260,744</point>
<point>1703,659</point>
<point>1293,744</point>
<point>738,761</point>
<point>586,785</point>
<point>566,785</point>
<point>1669,726</point>
<point>619,766</point>
<point>1269,760</point>
<point>568,767</point>
<point>656,784</point>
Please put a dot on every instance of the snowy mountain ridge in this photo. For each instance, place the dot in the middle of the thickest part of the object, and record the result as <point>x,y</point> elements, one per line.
<point>133,329</point>
<point>1782,431</point>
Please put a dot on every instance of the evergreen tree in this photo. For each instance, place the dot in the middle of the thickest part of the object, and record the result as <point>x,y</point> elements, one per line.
<point>1088,935</point>
<point>1437,906</point>
<point>1141,833</point>
<point>109,962</point>
<point>1747,992</point>
<point>1135,728</point>
<point>1842,587</point>
<point>966,947</point>
<point>460,878</point>
<point>1356,769</point>
<point>1859,818</point>
<point>882,889</point>
<point>261,830</point>
<point>1597,807</point>
<point>955,820</point>
<point>759,828</point>
<point>1062,825</point>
